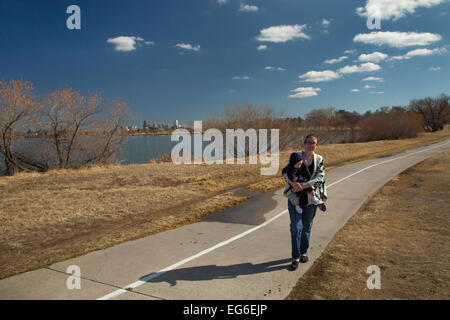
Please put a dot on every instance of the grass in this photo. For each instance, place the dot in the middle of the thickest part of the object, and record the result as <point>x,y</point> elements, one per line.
<point>61,214</point>
<point>404,229</point>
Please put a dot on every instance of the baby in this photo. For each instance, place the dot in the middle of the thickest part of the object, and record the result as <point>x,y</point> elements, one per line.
<point>292,172</point>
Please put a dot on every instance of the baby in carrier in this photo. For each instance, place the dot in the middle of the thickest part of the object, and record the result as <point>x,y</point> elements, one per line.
<point>292,172</point>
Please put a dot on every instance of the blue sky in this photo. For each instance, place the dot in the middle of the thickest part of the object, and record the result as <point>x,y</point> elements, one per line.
<point>186,60</point>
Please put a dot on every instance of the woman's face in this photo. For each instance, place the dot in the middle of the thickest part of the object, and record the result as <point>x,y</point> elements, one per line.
<point>311,144</point>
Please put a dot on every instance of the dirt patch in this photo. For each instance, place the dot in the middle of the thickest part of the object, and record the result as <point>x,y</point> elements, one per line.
<point>404,229</point>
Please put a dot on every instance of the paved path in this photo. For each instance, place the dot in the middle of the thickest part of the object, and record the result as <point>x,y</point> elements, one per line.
<point>240,253</point>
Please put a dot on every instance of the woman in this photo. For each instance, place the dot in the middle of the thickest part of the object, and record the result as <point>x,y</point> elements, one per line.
<point>313,169</point>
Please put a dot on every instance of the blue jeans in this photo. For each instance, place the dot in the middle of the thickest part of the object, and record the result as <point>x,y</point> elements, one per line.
<point>301,225</point>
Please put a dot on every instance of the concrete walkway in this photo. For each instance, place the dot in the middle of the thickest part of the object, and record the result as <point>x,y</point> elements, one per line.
<point>240,253</point>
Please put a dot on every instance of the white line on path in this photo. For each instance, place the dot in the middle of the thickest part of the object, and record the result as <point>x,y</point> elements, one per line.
<point>221,244</point>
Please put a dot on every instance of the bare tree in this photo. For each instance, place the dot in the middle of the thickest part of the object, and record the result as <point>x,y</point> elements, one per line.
<point>319,118</point>
<point>70,130</point>
<point>82,130</point>
<point>18,109</point>
<point>435,112</point>
<point>109,141</point>
<point>248,116</point>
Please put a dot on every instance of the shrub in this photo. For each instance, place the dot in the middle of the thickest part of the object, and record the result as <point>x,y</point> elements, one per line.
<point>390,126</point>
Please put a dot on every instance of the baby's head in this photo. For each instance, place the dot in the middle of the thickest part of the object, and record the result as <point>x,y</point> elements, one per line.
<point>295,160</point>
<point>298,164</point>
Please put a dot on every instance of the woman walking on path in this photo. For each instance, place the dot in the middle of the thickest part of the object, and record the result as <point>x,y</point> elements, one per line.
<point>313,170</point>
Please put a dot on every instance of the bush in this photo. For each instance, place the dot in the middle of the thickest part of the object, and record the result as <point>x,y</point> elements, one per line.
<point>390,127</point>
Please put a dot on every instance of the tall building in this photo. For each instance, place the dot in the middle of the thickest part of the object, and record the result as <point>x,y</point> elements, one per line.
<point>175,123</point>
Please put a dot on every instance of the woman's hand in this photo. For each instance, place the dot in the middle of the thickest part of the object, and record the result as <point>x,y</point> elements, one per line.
<point>305,185</point>
<point>297,187</point>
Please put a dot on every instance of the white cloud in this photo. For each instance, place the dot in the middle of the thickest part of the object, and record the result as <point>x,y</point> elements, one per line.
<point>319,76</point>
<point>222,1</point>
<point>241,78</point>
<point>262,47</point>
<point>365,67</point>
<point>373,79</point>
<point>434,68</point>
<point>325,23</point>
<point>352,51</point>
<point>272,68</point>
<point>368,86</point>
<point>376,92</point>
<point>340,59</point>
<point>374,57</point>
<point>188,46</point>
<point>304,92</point>
<point>389,9</point>
<point>397,39</point>
<point>248,8</point>
<point>282,33</point>
<point>420,52</point>
<point>354,90</point>
<point>127,43</point>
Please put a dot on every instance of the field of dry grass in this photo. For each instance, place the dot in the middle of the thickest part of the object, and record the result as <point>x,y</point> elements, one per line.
<point>404,229</point>
<point>64,213</point>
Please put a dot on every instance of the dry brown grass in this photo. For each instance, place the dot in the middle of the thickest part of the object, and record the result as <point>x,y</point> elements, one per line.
<point>64,213</point>
<point>404,229</point>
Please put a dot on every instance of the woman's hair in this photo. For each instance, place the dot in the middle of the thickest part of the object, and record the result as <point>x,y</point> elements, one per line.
<point>310,136</point>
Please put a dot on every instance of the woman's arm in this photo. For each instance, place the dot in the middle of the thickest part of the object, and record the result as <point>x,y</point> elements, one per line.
<point>296,187</point>
<point>319,175</point>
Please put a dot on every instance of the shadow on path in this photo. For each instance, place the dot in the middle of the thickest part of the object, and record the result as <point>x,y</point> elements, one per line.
<point>210,272</point>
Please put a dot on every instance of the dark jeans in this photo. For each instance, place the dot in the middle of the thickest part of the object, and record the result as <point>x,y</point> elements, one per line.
<point>301,225</point>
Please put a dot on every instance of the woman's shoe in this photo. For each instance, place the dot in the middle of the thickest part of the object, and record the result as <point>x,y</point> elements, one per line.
<point>294,265</point>
<point>304,258</point>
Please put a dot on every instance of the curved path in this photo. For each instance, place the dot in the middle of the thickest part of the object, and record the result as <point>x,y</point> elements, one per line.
<point>240,253</point>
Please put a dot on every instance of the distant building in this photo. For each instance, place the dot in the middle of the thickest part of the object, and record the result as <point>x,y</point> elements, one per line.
<point>175,124</point>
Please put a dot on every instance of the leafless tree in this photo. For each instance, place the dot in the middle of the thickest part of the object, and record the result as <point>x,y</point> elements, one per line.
<point>435,112</point>
<point>70,130</point>
<point>18,110</point>
<point>248,116</point>
<point>83,130</point>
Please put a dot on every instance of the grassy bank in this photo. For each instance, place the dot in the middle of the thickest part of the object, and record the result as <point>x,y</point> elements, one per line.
<point>404,229</point>
<point>64,213</point>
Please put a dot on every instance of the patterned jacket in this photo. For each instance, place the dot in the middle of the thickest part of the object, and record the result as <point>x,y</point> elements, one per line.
<point>317,180</point>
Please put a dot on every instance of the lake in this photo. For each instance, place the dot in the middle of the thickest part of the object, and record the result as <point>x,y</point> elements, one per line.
<point>137,149</point>
<point>141,149</point>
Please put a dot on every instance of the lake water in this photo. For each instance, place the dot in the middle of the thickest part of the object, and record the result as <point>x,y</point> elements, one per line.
<point>137,149</point>
<point>141,149</point>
